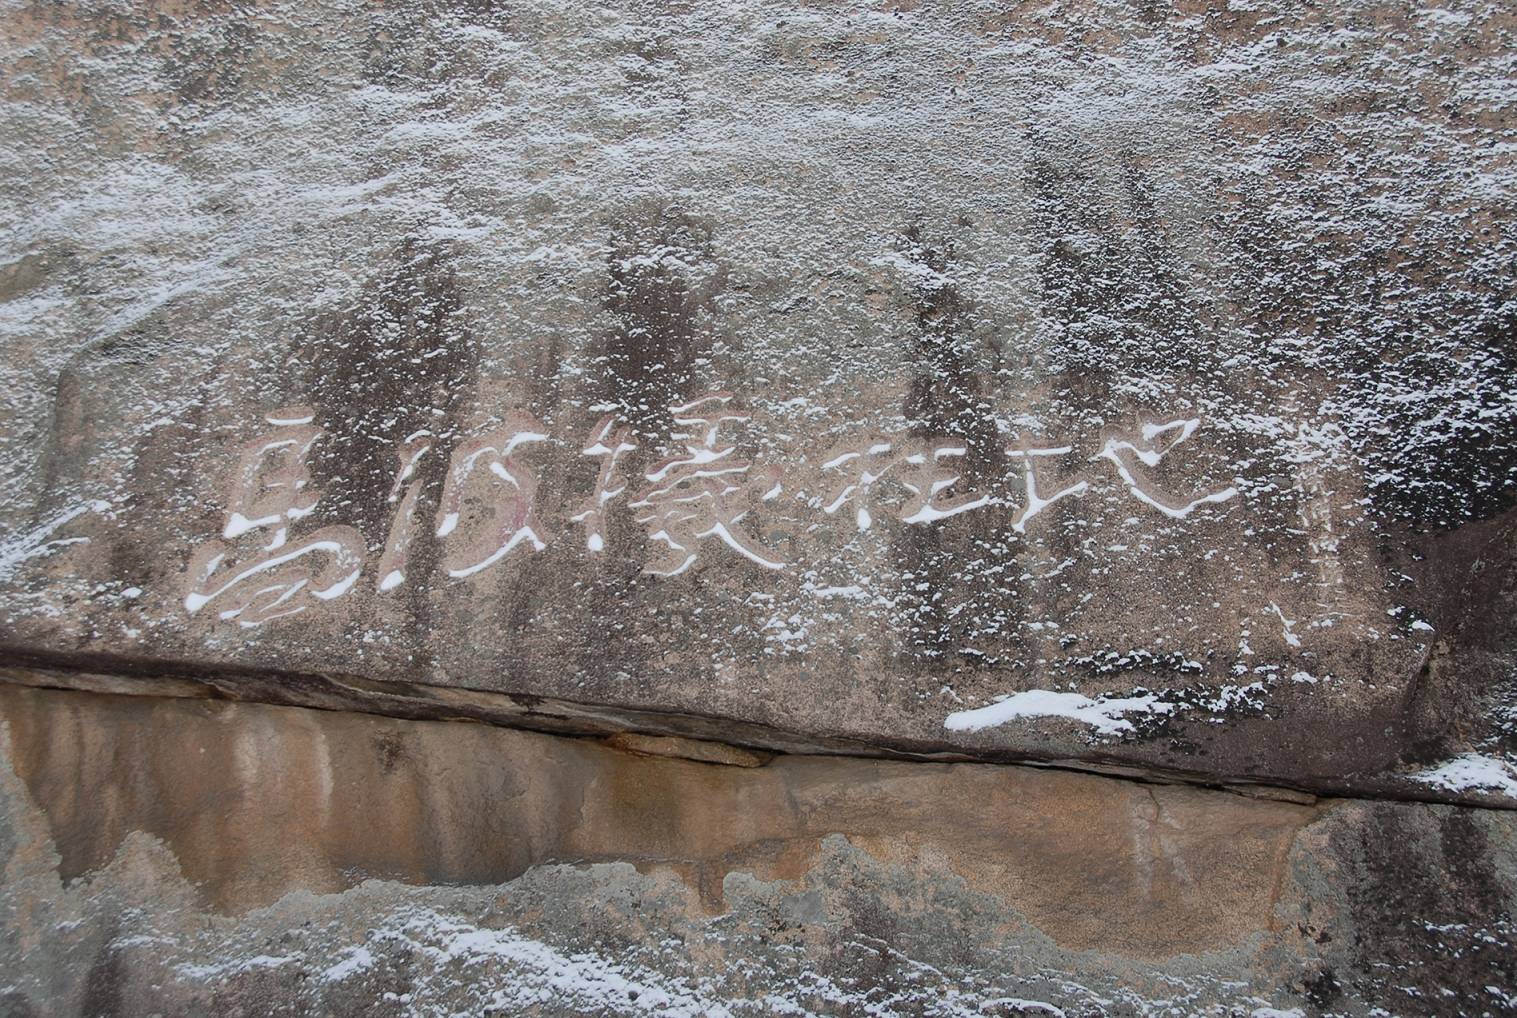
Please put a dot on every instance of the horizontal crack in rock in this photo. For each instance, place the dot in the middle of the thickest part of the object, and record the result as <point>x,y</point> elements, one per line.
<point>355,694</point>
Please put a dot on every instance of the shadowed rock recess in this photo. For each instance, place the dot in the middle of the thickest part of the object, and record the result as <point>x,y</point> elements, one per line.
<point>747,508</point>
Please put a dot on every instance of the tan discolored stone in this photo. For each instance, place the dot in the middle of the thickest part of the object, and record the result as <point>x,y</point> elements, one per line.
<point>255,801</point>
<point>688,749</point>
<point>178,843</point>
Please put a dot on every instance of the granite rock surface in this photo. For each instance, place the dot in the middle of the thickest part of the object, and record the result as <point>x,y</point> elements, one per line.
<point>1069,381</point>
<point>735,508</point>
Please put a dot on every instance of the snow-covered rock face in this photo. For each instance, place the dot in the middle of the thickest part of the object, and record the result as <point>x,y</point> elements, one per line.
<point>1076,382</point>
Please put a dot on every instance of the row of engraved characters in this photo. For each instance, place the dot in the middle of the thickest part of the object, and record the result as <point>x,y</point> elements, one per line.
<point>700,494</point>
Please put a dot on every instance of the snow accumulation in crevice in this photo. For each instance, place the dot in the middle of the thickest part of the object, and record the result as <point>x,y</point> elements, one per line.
<point>1472,772</point>
<point>1108,715</point>
<point>1105,715</point>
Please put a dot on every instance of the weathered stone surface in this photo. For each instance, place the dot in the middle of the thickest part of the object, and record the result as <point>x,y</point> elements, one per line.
<point>322,324</point>
<point>181,857</point>
<point>571,507</point>
<point>688,749</point>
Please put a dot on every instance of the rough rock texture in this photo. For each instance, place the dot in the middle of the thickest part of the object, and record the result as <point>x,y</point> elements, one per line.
<point>1105,382</point>
<point>173,857</point>
<point>590,507</point>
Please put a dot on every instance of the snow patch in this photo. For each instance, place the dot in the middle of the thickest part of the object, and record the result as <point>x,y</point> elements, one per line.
<point>1105,715</point>
<point>1472,772</point>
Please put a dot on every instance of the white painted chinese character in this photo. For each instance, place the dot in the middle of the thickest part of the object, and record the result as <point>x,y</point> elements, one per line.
<point>609,443</point>
<point>864,464</point>
<point>705,492</point>
<point>270,490</point>
<point>919,468</point>
<point>1037,501</point>
<point>515,520</point>
<point>1130,456</point>
<point>927,477</point>
<point>392,564</point>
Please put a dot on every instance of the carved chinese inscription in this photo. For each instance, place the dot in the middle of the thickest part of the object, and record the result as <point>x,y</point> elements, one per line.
<point>608,443</point>
<point>272,490</point>
<point>704,495</point>
<point>403,495</point>
<point>923,468</point>
<point>487,468</point>
<point>704,492</point>
<point>1037,498</point>
<point>1130,455</point>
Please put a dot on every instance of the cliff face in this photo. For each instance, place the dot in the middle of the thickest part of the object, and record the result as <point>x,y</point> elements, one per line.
<point>445,868</point>
<point>868,401</point>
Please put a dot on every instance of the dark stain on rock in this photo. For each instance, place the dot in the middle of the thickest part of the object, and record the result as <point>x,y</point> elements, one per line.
<point>1421,385</point>
<point>161,467</point>
<point>948,397</point>
<point>103,987</point>
<point>1111,281</point>
<point>543,392</point>
<point>1166,306</point>
<point>1429,916</point>
<point>946,604</point>
<point>1322,989</point>
<point>1466,587</point>
<point>662,281</point>
<point>14,1004</point>
<point>1466,850</point>
<point>87,392</point>
<point>66,450</point>
<point>390,750</point>
<point>1108,279</point>
<point>208,65</point>
<point>402,359</point>
<point>1113,289</point>
<point>1433,468</point>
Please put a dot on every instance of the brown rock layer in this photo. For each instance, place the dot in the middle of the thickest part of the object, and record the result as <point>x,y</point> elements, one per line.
<point>255,801</point>
<point>177,842</point>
